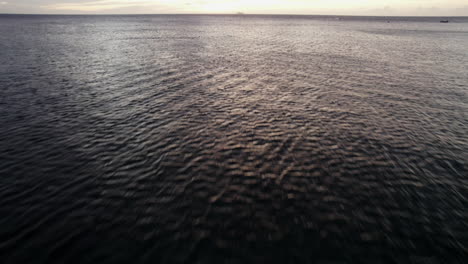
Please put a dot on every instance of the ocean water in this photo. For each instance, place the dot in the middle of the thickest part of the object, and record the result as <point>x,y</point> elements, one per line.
<point>233,139</point>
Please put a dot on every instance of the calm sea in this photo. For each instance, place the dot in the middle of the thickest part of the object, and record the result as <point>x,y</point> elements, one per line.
<point>233,139</point>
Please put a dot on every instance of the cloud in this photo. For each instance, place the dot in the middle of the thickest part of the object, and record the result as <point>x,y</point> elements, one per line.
<point>333,7</point>
<point>95,5</point>
<point>120,6</point>
<point>418,11</point>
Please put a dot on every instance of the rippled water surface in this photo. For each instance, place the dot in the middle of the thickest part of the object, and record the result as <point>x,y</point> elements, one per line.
<point>244,139</point>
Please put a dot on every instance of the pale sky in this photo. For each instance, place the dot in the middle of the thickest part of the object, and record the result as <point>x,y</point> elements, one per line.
<point>327,7</point>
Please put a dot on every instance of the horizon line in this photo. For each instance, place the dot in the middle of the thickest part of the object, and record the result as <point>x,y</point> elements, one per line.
<point>213,14</point>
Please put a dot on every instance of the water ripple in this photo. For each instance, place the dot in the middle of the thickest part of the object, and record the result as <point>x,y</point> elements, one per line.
<point>207,139</point>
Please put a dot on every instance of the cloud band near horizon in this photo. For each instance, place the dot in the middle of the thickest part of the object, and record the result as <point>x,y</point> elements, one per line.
<point>332,7</point>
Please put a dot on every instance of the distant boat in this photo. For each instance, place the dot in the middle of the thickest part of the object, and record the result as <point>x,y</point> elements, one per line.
<point>444,21</point>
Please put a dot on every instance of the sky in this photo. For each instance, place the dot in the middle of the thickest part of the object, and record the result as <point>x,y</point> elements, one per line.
<point>321,7</point>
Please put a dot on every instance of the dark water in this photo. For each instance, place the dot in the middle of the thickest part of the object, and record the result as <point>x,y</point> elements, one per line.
<point>236,139</point>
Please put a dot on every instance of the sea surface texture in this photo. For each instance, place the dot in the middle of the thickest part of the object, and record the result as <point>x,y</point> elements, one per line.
<point>233,139</point>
